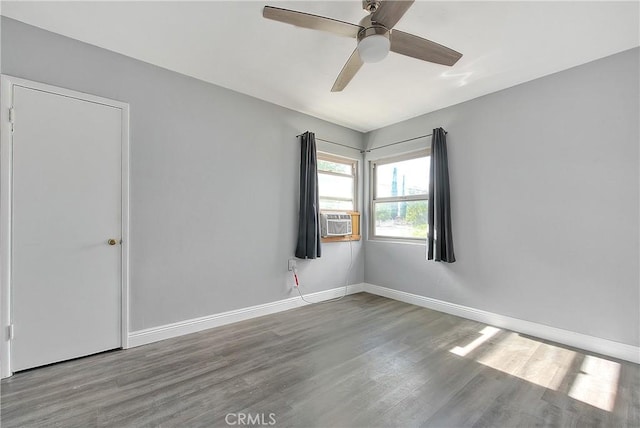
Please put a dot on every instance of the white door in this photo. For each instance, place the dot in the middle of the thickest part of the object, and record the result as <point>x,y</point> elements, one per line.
<point>65,277</point>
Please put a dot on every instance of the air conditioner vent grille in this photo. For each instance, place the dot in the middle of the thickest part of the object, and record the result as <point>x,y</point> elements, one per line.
<point>335,224</point>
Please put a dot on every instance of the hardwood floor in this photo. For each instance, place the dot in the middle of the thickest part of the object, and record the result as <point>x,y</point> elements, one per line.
<point>363,361</point>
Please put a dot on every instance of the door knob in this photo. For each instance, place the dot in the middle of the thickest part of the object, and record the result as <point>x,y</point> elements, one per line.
<point>112,242</point>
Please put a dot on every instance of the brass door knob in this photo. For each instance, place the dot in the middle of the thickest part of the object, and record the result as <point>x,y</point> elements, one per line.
<point>112,242</point>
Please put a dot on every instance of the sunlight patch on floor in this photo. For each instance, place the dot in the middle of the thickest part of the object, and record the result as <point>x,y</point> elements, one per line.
<point>536,362</point>
<point>597,383</point>
<point>486,334</point>
<point>530,360</point>
<point>546,365</point>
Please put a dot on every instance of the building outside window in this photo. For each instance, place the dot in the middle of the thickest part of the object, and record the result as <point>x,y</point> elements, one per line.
<point>400,196</point>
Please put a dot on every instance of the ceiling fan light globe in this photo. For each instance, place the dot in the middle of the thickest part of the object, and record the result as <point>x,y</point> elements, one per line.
<point>374,48</point>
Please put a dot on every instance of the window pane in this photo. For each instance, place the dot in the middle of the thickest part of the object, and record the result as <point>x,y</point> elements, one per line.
<point>335,186</point>
<point>325,165</point>
<point>333,204</point>
<point>409,177</point>
<point>401,219</point>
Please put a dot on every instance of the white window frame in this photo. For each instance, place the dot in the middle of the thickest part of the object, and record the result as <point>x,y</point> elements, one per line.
<point>354,174</point>
<point>373,198</point>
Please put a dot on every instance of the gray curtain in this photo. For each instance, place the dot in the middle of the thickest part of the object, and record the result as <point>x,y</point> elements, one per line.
<point>308,246</point>
<point>440,239</point>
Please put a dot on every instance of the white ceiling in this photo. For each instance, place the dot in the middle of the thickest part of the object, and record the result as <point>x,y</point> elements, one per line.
<point>228,43</point>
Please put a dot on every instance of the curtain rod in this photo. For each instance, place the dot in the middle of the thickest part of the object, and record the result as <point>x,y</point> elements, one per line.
<point>399,142</point>
<point>337,144</point>
<point>375,148</point>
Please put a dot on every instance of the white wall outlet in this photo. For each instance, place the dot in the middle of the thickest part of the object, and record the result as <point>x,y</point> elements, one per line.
<point>292,264</point>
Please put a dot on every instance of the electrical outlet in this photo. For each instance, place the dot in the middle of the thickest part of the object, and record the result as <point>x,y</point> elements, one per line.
<point>292,264</point>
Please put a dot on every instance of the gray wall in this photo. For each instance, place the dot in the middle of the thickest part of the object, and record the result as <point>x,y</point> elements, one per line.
<point>544,180</point>
<point>214,181</point>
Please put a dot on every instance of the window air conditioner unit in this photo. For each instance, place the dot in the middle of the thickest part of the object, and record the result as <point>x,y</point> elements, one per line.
<point>335,224</point>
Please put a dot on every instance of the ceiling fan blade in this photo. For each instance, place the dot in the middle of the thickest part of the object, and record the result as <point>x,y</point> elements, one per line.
<point>314,22</point>
<point>389,12</point>
<point>426,50</point>
<point>348,71</point>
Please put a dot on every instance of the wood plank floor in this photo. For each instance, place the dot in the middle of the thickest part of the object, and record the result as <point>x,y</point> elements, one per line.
<point>363,361</point>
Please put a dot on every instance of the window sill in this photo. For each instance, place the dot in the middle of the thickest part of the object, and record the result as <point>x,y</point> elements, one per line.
<point>341,238</point>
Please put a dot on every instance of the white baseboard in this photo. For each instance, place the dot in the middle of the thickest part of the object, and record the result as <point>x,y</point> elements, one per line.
<point>155,334</point>
<point>578,340</point>
<point>566,337</point>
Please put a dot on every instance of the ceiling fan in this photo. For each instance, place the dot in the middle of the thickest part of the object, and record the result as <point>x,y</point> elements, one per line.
<point>375,35</point>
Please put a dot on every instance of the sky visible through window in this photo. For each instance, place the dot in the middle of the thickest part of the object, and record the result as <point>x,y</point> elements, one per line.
<point>411,178</point>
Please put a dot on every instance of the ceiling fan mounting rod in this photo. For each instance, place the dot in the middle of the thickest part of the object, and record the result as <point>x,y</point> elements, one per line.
<point>370,5</point>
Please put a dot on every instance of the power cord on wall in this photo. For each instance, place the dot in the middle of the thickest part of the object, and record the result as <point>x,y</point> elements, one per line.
<point>346,282</point>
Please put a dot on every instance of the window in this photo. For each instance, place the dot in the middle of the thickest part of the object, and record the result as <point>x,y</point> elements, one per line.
<point>337,182</point>
<point>400,196</point>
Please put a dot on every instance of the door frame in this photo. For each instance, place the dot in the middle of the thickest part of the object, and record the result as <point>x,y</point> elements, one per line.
<point>7,83</point>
